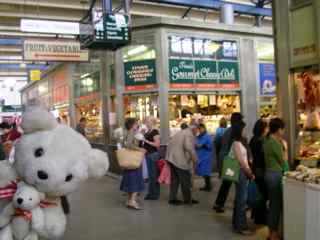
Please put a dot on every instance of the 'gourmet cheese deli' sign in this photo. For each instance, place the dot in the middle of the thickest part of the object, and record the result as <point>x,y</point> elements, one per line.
<point>186,73</point>
<point>51,50</point>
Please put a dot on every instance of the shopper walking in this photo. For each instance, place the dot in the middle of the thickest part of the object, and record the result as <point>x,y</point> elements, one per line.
<point>240,153</point>
<point>226,143</point>
<point>204,154</point>
<point>182,155</point>
<point>81,126</point>
<point>218,142</point>
<point>132,180</point>
<point>152,145</point>
<point>275,156</point>
<point>258,166</point>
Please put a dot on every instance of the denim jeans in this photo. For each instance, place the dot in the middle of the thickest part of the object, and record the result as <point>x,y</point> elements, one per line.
<point>273,181</point>
<point>154,186</point>
<point>239,218</point>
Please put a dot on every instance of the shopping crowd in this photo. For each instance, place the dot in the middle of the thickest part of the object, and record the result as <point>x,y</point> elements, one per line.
<point>255,167</point>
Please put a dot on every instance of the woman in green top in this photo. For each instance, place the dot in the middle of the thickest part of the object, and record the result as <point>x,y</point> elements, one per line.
<point>275,155</point>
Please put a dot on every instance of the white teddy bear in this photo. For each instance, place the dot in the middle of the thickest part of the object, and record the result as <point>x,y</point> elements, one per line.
<point>28,217</point>
<point>54,159</point>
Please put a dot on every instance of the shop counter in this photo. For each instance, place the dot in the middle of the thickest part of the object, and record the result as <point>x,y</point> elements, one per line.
<point>301,210</point>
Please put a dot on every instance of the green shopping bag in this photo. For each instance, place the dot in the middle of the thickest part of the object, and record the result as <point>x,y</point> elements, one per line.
<point>230,168</point>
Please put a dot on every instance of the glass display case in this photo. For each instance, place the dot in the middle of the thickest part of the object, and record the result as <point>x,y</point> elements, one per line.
<point>201,108</point>
<point>93,114</point>
<point>307,82</point>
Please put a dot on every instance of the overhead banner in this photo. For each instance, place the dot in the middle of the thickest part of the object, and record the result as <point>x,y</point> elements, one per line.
<point>140,75</point>
<point>54,50</point>
<point>267,79</point>
<point>203,74</point>
<point>48,26</point>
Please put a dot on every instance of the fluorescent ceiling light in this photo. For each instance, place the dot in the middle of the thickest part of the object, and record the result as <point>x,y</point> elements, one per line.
<point>85,75</point>
<point>87,82</point>
<point>137,50</point>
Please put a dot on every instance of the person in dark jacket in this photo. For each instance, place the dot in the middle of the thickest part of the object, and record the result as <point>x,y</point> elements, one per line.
<point>152,145</point>
<point>226,143</point>
<point>259,132</point>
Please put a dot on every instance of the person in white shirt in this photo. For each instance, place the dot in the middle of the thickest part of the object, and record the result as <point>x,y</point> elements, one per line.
<point>240,152</point>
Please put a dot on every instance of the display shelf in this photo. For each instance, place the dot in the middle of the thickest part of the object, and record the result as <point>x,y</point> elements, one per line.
<point>301,210</point>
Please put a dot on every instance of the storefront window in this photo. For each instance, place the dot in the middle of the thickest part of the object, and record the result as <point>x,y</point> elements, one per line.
<point>141,106</point>
<point>203,48</point>
<point>138,52</point>
<point>265,51</point>
<point>43,90</point>
<point>206,108</point>
<point>87,84</point>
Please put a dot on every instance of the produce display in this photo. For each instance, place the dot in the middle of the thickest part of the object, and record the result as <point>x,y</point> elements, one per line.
<point>305,174</point>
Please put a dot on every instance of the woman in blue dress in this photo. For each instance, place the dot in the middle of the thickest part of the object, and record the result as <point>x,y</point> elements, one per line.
<point>132,180</point>
<point>205,154</point>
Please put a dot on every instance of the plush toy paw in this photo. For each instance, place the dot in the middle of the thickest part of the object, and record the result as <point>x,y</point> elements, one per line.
<point>6,233</point>
<point>6,215</point>
<point>32,236</point>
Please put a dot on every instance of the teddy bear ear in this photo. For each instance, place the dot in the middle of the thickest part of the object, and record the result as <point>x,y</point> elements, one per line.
<point>36,119</point>
<point>98,163</point>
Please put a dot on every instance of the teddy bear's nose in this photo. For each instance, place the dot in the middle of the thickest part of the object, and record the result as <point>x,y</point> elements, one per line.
<point>19,201</point>
<point>42,175</point>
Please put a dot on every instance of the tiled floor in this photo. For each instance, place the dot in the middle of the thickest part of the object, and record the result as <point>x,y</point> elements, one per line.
<point>98,213</point>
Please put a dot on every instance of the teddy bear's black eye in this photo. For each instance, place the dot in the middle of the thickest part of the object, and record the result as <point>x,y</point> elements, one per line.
<point>39,152</point>
<point>30,199</point>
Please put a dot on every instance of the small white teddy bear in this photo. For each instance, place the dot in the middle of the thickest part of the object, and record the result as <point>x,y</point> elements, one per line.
<point>28,216</point>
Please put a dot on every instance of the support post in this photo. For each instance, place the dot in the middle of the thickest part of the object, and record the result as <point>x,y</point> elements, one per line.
<point>107,6</point>
<point>105,90</point>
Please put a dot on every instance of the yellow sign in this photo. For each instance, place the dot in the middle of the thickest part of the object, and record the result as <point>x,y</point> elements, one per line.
<point>35,75</point>
<point>54,50</point>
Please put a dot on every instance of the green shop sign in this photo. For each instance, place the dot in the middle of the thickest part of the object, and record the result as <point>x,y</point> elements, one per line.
<point>140,75</point>
<point>186,71</point>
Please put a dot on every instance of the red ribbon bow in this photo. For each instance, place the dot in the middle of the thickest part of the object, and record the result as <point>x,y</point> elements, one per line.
<point>8,191</point>
<point>28,215</point>
<point>22,213</point>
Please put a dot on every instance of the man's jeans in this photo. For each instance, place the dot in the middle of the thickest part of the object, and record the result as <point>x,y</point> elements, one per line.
<point>154,186</point>
<point>239,219</point>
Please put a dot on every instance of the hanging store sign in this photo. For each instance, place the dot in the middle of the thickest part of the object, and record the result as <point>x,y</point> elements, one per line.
<point>50,50</point>
<point>267,79</point>
<point>51,27</point>
<point>109,31</point>
<point>303,35</point>
<point>203,74</point>
<point>140,75</point>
